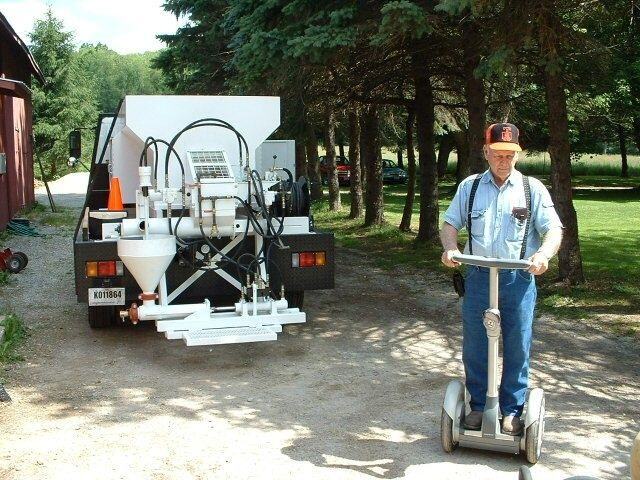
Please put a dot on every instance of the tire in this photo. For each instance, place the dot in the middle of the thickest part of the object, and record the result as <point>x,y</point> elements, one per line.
<point>295,299</point>
<point>101,317</point>
<point>15,263</point>
<point>24,256</point>
<point>533,441</point>
<point>525,473</point>
<point>446,432</point>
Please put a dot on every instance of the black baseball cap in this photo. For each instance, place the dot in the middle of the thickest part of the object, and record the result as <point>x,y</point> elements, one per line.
<point>502,136</point>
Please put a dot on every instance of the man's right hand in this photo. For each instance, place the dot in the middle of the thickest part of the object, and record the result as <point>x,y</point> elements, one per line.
<point>447,258</point>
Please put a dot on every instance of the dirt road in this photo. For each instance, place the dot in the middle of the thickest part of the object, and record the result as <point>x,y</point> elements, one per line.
<point>354,393</point>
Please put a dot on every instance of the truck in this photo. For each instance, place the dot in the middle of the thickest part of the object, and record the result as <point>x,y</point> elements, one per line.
<point>184,225</point>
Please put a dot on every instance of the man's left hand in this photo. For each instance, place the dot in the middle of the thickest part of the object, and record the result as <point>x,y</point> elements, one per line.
<point>539,264</point>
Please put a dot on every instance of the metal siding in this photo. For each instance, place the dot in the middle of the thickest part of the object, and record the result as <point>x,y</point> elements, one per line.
<point>16,186</point>
<point>5,215</point>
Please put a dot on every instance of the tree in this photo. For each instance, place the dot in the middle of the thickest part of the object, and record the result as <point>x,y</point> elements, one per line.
<point>355,178</point>
<point>111,75</point>
<point>371,156</point>
<point>65,101</point>
<point>407,212</point>
<point>330,159</point>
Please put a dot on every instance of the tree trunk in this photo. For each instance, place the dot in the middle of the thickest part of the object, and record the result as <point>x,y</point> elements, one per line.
<point>370,137</point>
<point>301,159</point>
<point>463,169</point>
<point>623,150</point>
<point>569,257</point>
<point>363,163</point>
<point>425,118</point>
<point>636,132</point>
<point>330,146</point>
<point>399,156</point>
<point>474,95</point>
<point>357,207</point>
<point>341,149</point>
<point>313,164</point>
<point>405,223</point>
<point>447,144</point>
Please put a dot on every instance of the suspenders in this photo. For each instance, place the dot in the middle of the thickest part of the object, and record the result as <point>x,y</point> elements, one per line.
<point>527,199</point>
<point>472,196</point>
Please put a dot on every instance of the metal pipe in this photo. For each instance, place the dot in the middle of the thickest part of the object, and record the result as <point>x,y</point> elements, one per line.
<point>493,287</point>
<point>264,306</point>
<point>162,290</point>
<point>492,382</point>
<point>492,360</point>
<point>159,312</point>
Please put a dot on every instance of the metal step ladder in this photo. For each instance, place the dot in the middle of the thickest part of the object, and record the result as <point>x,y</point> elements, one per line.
<point>220,336</point>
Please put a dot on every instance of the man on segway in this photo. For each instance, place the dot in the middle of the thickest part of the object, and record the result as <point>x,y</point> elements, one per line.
<point>509,216</point>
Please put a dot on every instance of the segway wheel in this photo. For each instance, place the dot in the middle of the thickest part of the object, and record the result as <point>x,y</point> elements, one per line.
<point>15,263</point>
<point>525,473</point>
<point>446,432</point>
<point>533,442</point>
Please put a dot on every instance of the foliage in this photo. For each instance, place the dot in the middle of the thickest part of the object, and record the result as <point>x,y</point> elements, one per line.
<point>14,333</point>
<point>606,217</point>
<point>112,75</point>
<point>65,101</point>
<point>79,85</point>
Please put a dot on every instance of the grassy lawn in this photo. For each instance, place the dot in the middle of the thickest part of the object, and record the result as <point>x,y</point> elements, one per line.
<point>608,222</point>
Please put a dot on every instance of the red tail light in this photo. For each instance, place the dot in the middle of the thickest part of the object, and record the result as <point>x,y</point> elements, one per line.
<point>308,259</point>
<point>108,268</point>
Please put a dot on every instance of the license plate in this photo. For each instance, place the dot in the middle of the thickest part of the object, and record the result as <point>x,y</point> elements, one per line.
<point>106,296</point>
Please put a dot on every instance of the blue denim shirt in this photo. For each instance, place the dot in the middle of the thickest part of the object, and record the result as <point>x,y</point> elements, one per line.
<point>496,232</point>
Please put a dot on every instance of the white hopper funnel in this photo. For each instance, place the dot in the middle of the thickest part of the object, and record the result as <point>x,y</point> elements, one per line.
<point>147,258</point>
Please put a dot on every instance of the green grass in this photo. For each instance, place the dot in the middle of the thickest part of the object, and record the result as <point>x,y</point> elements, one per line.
<point>64,217</point>
<point>608,222</point>
<point>5,277</point>
<point>586,165</point>
<point>14,333</point>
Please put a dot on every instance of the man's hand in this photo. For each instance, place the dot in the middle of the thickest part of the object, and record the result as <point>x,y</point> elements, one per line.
<point>447,258</point>
<point>539,264</point>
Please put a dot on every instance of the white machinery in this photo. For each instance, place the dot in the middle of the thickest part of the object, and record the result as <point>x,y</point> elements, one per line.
<point>489,437</point>
<point>198,222</point>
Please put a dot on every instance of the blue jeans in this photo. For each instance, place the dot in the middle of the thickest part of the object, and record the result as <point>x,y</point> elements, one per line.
<point>516,301</point>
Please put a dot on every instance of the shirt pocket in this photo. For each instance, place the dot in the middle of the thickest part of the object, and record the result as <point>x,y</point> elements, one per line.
<point>478,218</point>
<point>516,229</point>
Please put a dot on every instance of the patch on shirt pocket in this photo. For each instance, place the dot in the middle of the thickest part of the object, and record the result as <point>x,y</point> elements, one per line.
<point>477,223</point>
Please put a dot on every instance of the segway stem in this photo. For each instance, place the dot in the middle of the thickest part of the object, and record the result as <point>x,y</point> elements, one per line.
<point>490,424</point>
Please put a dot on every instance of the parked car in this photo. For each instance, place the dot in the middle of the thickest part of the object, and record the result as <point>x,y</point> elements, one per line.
<point>342,164</point>
<point>392,173</point>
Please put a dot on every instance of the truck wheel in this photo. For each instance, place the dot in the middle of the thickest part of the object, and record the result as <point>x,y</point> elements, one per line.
<point>295,299</point>
<point>101,317</point>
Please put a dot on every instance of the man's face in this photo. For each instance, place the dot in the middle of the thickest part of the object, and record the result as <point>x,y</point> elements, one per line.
<point>501,162</point>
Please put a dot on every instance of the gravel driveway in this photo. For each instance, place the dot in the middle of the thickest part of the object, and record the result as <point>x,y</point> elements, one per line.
<point>354,393</point>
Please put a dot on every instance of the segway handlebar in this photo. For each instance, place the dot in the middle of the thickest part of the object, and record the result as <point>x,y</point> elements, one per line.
<point>492,262</point>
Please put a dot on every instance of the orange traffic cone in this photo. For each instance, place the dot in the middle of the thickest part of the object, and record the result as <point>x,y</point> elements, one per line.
<point>115,195</point>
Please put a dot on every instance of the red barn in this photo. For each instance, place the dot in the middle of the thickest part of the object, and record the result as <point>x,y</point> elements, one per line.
<point>17,66</point>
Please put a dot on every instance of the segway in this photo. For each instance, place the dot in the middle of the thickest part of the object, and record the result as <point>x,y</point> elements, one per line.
<point>490,437</point>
